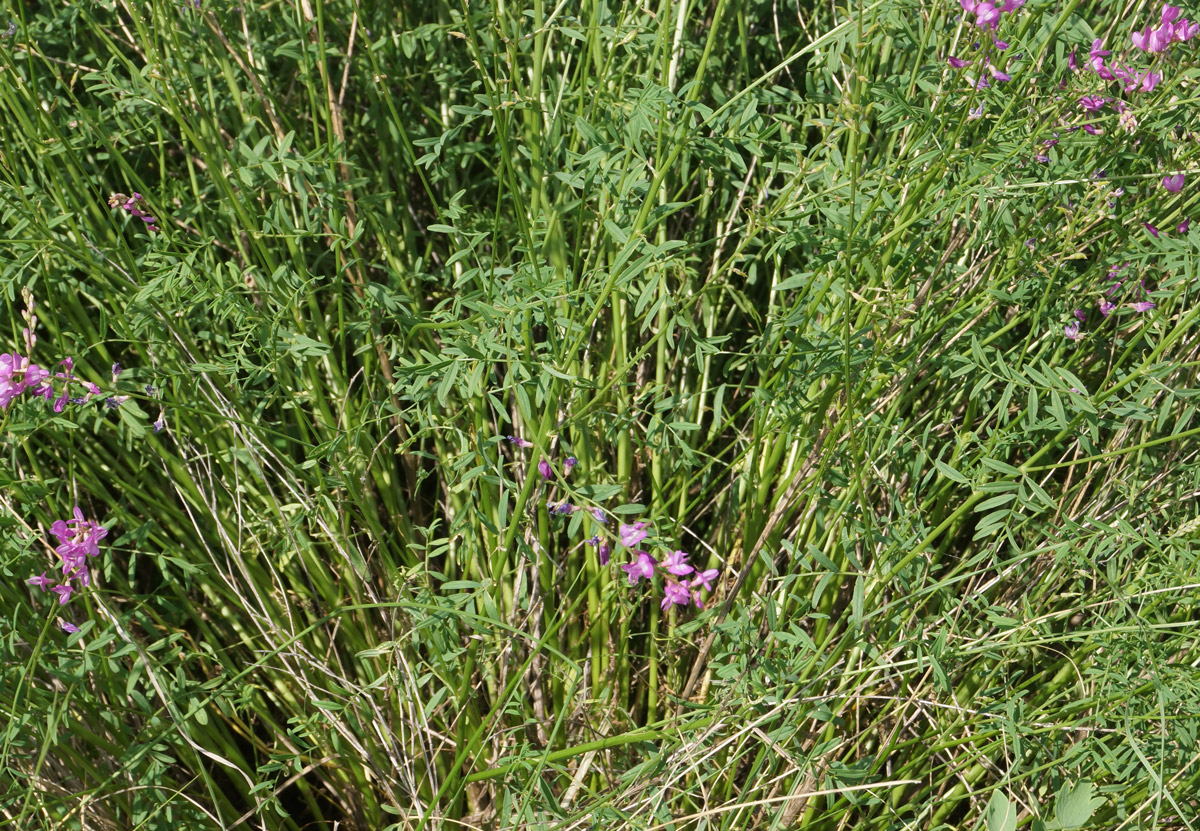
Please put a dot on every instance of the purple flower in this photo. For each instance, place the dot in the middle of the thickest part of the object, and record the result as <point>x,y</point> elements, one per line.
<point>1142,305</point>
<point>598,513</point>
<point>674,593</point>
<point>1153,231</point>
<point>643,566</point>
<point>1081,315</point>
<point>564,509</point>
<point>129,204</point>
<point>1106,308</point>
<point>999,44</point>
<point>545,469</point>
<point>1071,65</point>
<point>676,563</point>
<point>986,15</point>
<point>1091,129</point>
<point>1071,330</point>
<point>631,535</point>
<point>41,581</point>
<point>998,75</point>
<point>1183,226</point>
<point>569,464</point>
<point>604,551</point>
<point>705,578</point>
<point>64,592</point>
<point>116,372</point>
<point>957,63</point>
<point>520,442</point>
<point>77,537</point>
<point>160,425</point>
<point>1173,184</point>
<point>67,626</point>
<point>1092,103</point>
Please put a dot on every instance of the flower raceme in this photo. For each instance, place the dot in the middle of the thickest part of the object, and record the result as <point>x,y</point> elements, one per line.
<point>78,538</point>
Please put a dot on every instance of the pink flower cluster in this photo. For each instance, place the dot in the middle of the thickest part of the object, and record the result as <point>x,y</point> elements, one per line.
<point>676,592</point>
<point>78,538</point>
<point>1171,29</point>
<point>129,204</point>
<point>1106,306</point>
<point>987,14</point>
<point>1132,79</point>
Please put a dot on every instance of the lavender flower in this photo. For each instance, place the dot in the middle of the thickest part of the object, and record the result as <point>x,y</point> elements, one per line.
<point>1142,305</point>
<point>520,442</point>
<point>569,464</point>
<point>1071,330</point>
<point>1174,183</point>
<point>41,581</point>
<point>598,513</point>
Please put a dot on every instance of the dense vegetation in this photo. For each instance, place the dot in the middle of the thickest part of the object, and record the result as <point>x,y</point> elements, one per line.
<point>370,368</point>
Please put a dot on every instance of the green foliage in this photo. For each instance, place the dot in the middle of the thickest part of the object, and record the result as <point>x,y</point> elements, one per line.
<point>761,271</point>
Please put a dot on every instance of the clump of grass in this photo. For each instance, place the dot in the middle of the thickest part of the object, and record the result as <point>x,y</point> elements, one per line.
<point>447,330</point>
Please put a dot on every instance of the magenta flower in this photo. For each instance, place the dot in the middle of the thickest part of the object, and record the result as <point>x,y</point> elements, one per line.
<point>643,566</point>
<point>677,594</point>
<point>1092,103</point>
<point>957,63</point>
<point>1106,308</point>
<point>986,15</point>
<point>41,581</point>
<point>1071,64</point>
<point>77,537</point>
<point>604,550</point>
<point>545,469</point>
<point>1142,305</point>
<point>129,204</point>
<point>1081,315</point>
<point>1183,226</point>
<point>67,626</point>
<point>705,578</point>
<point>1153,231</point>
<point>1071,330</point>
<point>631,535</point>
<point>1173,184</point>
<point>64,592</point>
<point>676,563</point>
